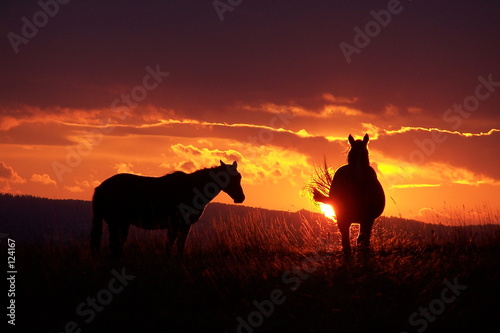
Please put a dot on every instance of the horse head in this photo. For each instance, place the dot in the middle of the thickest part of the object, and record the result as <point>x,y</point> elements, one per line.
<point>232,183</point>
<point>358,154</point>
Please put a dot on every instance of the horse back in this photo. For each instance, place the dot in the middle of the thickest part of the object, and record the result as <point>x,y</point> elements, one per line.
<point>147,202</point>
<point>357,192</point>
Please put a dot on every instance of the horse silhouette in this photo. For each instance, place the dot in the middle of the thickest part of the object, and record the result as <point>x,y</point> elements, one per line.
<point>355,194</point>
<point>173,202</point>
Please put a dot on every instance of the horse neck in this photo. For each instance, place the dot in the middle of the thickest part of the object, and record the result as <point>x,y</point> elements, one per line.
<point>359,166</point>
<point>203,177</point>
<point>358,163</point>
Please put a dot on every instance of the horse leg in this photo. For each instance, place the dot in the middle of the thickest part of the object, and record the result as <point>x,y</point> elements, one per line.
<point>117,236</point>
<point>365,231</point>
<point>181,240</point>
<point>114,242</point>
<point>344,228</point>
<point>171,237</point>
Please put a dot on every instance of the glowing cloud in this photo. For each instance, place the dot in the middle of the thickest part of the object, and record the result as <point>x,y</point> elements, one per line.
<point>259,164</point>
<point>125,168</point>
<point>406,129</point>
<point>8,174</point>
<point>82,186</point>
<point>433,174</point>
<point>43,179</point>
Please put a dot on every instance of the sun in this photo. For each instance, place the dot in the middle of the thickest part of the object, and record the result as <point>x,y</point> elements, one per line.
<point>327,210</point>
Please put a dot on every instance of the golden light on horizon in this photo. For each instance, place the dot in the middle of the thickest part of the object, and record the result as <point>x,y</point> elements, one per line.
<point>328,211</point>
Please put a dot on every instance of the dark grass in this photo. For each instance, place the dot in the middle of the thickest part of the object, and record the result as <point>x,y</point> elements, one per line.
<point>219,279</point>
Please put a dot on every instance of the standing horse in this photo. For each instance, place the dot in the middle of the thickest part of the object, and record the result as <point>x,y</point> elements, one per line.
<point>356,195</point>
<point>173,202</point>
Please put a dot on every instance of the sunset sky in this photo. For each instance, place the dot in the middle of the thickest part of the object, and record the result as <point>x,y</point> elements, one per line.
<point>95,88</point>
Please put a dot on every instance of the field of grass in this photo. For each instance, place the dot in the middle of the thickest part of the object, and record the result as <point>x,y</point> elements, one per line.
<point>256,271</point>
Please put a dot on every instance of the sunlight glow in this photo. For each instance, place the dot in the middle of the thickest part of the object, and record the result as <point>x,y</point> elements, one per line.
<point>327,210</point>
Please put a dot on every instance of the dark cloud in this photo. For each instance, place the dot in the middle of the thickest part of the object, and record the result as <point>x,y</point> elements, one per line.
<point>428,56</point>
<point>38,134</point>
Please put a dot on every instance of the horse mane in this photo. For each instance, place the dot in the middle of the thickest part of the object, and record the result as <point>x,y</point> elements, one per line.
<point>195,174</point>
<point>204,170</point>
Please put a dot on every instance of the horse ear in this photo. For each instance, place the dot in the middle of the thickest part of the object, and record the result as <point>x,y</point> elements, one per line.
<point>235,165</point>
<point>366,138</point>
<point>222,163</point>
<point>351,139</point>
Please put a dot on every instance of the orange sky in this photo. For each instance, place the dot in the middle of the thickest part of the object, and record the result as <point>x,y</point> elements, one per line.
<point>103,89</point>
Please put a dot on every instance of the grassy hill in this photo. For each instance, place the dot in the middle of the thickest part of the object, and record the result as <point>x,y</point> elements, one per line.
<point>250,270</point>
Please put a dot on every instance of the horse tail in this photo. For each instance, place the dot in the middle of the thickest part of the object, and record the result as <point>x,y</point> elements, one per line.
<point>97,217</point>
<point>318,197</point>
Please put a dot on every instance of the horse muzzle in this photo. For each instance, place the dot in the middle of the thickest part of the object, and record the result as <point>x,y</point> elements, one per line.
<point>239,200</point>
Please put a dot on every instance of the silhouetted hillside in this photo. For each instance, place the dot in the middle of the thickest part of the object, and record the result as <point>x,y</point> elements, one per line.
<point>28,218</point>
<point>34,219</point>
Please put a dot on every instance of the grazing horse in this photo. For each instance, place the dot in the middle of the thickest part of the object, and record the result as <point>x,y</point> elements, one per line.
<point>356,195</point>
<point>173,202</point>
